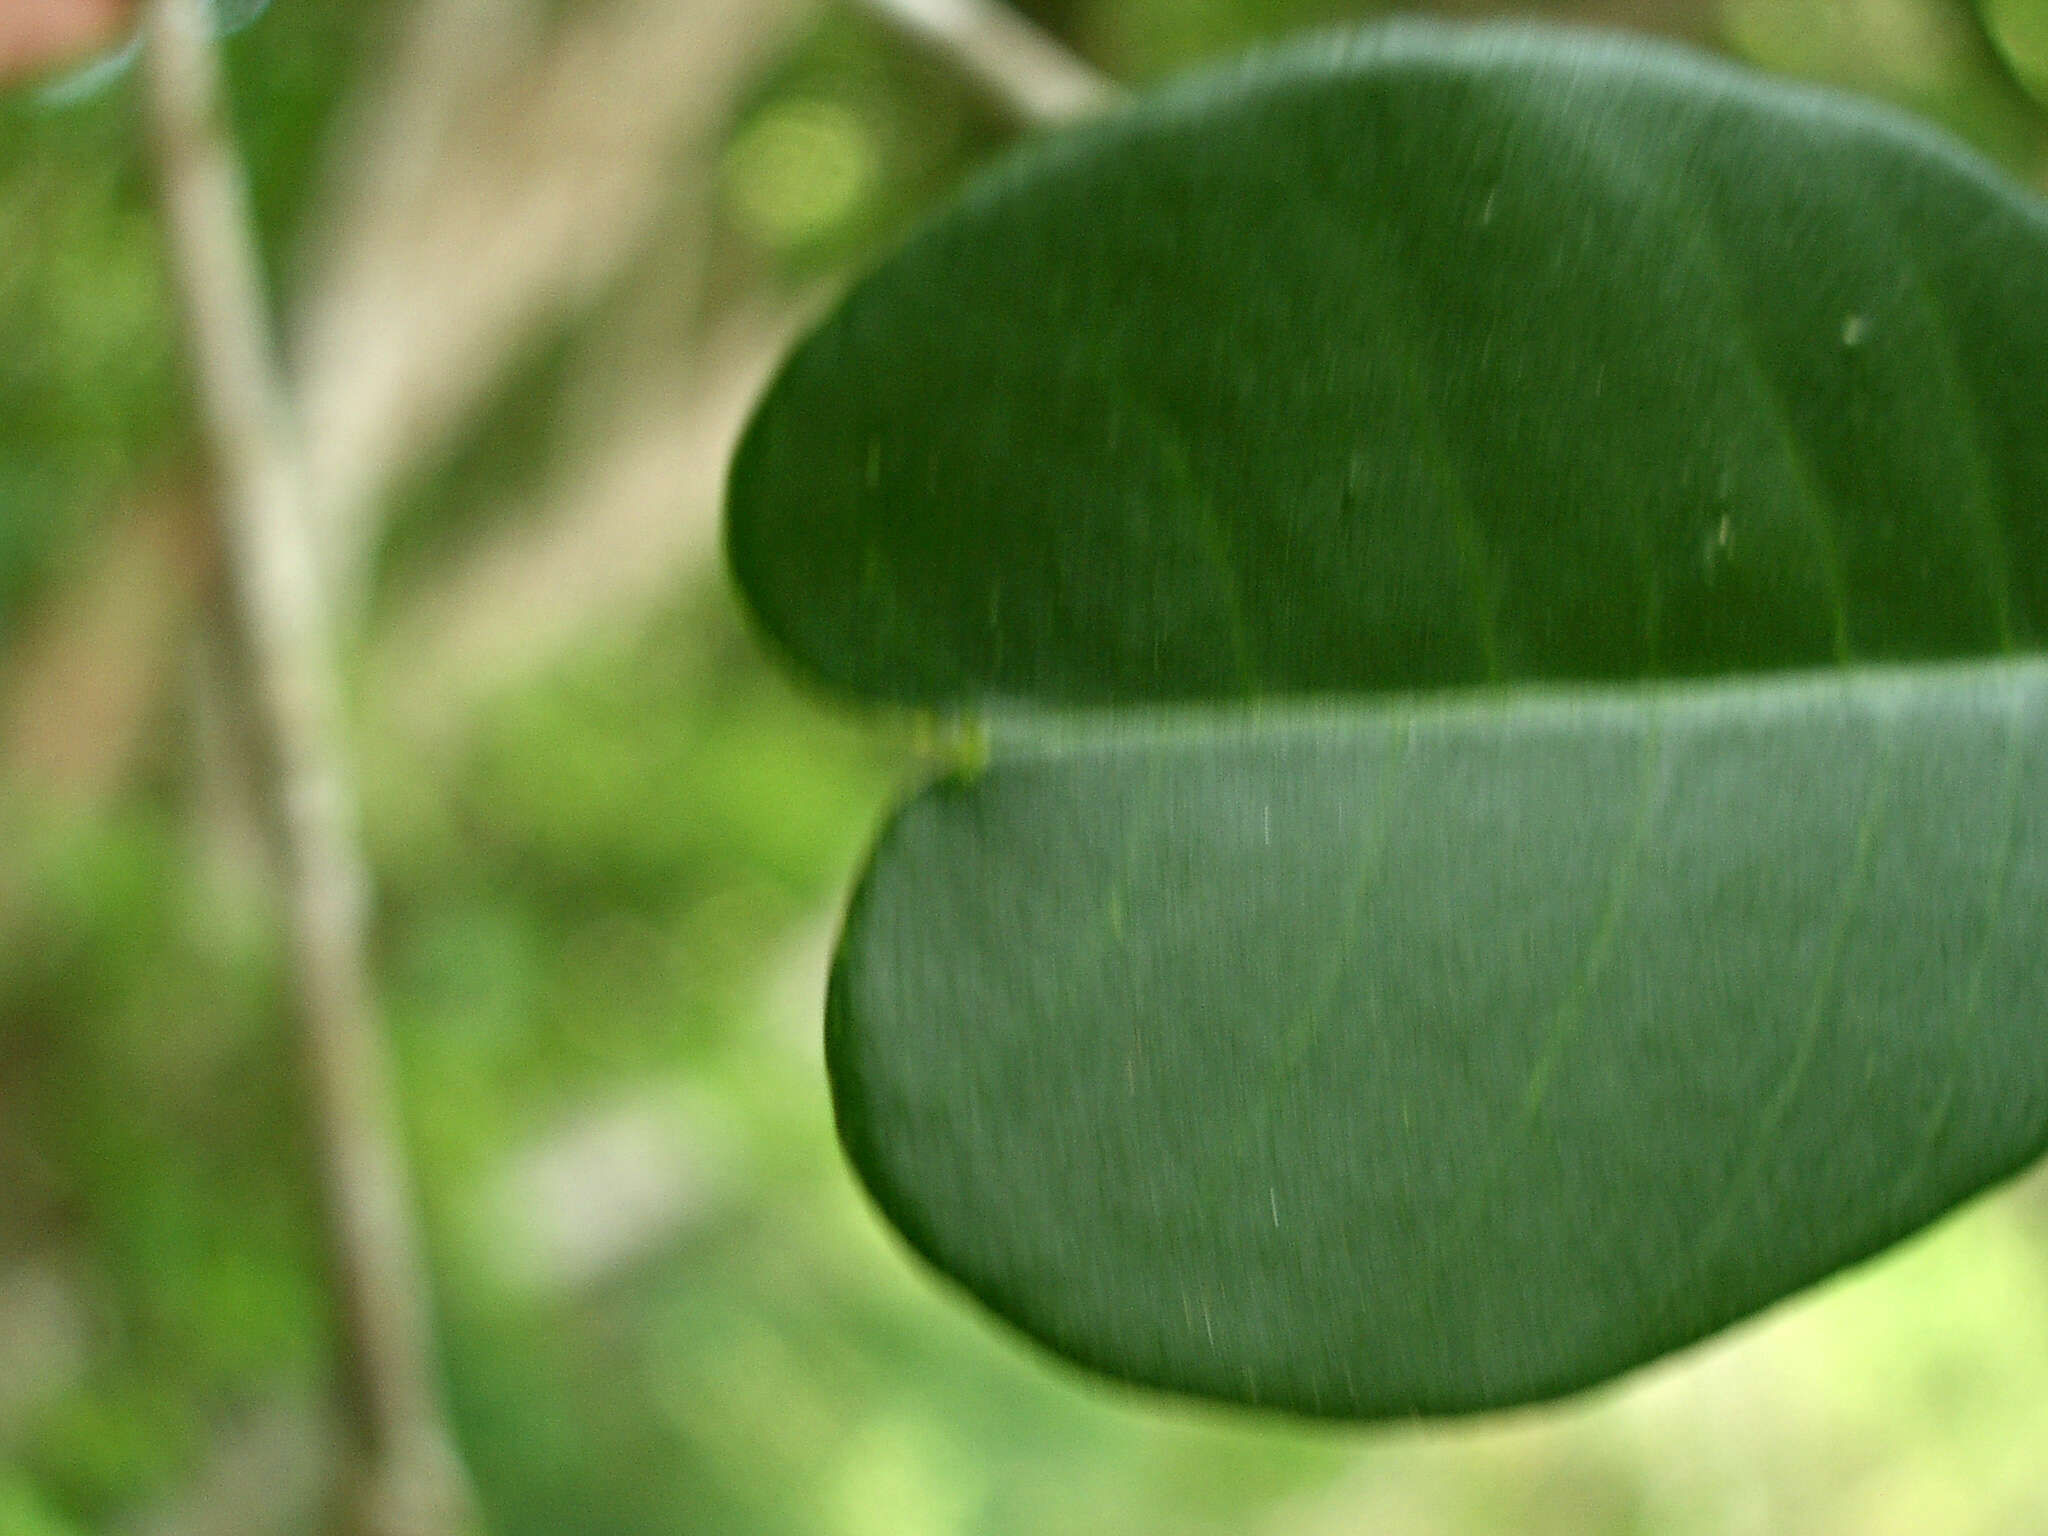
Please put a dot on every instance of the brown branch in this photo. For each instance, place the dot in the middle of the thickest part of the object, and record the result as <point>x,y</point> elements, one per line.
<point>411,1482</point>
<point>1026,68</point>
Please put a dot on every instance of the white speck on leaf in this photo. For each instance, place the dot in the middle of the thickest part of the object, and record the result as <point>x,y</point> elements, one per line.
<point>1855,329</point>
<point>1717,544</point>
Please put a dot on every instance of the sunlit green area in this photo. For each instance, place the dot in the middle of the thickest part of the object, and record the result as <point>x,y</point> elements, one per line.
<point>525,301</point>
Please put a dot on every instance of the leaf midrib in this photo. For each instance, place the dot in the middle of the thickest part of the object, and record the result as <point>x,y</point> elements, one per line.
<point>1017,731</point>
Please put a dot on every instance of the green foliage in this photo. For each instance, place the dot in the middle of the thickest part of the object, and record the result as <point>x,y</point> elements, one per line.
<point>767,1367</point>
<point>608,884</point>
<point>844,142</point>
<point>1931,56</point>
<point>89,366</point>
<point>23,1512</point>
<point>2020,29</point>
<point>1496,968</point>
<point>86,371</point>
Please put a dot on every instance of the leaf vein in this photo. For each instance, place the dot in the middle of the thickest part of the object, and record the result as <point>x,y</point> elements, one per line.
<point>1717,1229</point>
<point>1998,887</point>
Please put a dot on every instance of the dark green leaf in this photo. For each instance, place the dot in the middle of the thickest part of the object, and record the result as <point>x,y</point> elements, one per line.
<point>1424,360</point>
<point>1417,944</point>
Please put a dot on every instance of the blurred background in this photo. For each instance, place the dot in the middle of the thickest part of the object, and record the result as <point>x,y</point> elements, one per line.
<point>531,260</point>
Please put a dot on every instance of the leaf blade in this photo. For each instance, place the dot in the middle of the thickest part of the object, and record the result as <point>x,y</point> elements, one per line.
<point>1668,1061</point>
<point>1444,315</point>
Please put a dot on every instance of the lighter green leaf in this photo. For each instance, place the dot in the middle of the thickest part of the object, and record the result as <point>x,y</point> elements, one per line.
<point>1390,1061</point>
<point>2020,29</point>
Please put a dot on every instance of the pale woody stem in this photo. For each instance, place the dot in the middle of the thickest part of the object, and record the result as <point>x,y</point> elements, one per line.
<point>410,1480</point>
<point>1020,64</point>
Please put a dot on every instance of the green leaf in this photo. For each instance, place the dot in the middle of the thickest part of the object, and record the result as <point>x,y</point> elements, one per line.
<point>1503,571</point>
<point>1436,1058</point>
<point>2019,29</point>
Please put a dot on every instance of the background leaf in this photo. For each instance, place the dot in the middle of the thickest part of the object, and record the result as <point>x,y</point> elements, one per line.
<point>2020,29</point>
<point>1384,1052</point>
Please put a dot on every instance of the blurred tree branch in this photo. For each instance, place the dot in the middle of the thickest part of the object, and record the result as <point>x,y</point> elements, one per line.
<point>606,542</point>
<point>411,1481</point>
<point>493,183</point>
<point>616,530</point>
<point>1021,65</point>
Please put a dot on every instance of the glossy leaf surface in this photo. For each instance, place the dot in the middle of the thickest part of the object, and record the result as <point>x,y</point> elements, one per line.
<point>1502,572</point>
<point>1429,360</point>
<point>1431,1059</point>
